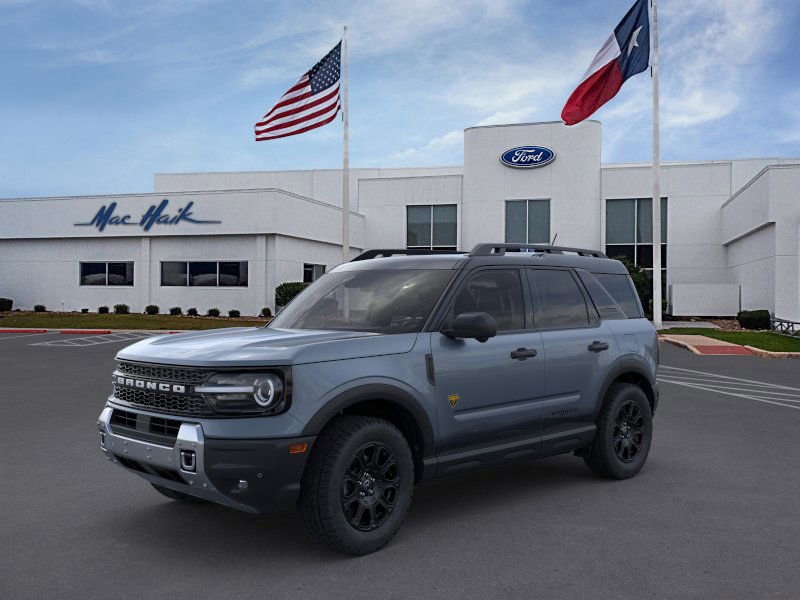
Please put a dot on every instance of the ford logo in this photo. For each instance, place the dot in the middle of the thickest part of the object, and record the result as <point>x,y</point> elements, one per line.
<point>527,157</point>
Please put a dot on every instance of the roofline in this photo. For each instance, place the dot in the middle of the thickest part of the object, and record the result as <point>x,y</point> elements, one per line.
<point>309,170</point>
<point>525,124</point>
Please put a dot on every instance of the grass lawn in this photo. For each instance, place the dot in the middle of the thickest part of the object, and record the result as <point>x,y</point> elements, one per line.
<point>764,340</point>
<point>57,320</point>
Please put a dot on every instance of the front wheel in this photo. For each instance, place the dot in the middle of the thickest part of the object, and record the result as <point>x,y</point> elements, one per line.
<point>624,433</point>
<point>357,487</point>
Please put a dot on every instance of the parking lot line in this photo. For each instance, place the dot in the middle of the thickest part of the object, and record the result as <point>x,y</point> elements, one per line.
<point>27,335</point>
<point>94,340</point>
<point>727,393</point>
<point>676,372</point>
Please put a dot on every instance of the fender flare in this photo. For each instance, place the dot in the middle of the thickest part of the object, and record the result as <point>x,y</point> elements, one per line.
<point>627,364</point>
<point>375,391</point>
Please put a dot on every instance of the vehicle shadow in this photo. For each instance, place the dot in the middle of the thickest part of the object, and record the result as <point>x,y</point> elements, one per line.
<point>216,531</point>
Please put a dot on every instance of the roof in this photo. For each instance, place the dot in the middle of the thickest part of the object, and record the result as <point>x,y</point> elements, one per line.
<point>553,256</point>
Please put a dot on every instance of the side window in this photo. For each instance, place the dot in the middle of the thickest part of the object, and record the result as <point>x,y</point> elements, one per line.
<point>605,304</point>
<point>621,289</point>
<point>497,292</point>
<point>561,302</point>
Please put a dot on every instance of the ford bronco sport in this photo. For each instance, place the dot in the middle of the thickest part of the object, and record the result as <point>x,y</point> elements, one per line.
<point>396,367</point>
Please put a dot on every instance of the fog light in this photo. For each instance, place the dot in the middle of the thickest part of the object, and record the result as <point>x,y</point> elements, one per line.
<point>102,440</point>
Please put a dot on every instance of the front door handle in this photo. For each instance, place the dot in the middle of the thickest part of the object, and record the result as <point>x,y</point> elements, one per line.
<point>523,353</point>
<point>596,346</point>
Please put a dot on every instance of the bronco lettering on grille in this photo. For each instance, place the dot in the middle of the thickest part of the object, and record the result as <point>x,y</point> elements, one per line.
<point>155,386</point>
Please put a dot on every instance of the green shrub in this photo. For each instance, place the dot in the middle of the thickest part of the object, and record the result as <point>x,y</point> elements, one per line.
<point>39,308</point>
<point>175,310</point>
<point>103,310</point>
<point>286,291</point>
<point>152,309</point>
<point>84,310</point>
<point>192,312</point>
<point>6,304</point>
<point>213,312</point>
<point>121,309</point>
<point>266,312</point>
<point>754,319</point>
<point>234,314</point>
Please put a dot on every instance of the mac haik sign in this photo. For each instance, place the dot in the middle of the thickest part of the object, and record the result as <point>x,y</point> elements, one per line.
<point>155,216</point>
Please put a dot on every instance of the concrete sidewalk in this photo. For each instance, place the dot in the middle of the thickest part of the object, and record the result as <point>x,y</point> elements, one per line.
<point>700,344</point>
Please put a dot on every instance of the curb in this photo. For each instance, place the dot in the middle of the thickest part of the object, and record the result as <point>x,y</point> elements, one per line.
<point>683,345</point>
<point>23,330</point>
<point>771,354</point>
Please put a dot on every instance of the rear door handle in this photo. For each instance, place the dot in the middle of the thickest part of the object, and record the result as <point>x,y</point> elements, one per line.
<point>596,346</point>
<point>523,353</point>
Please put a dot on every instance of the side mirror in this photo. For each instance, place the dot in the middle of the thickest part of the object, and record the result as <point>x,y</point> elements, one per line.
<point>473,325</point>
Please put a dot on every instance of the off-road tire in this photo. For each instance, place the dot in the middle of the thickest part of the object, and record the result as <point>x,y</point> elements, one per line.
<point>175,495</point>
<point>610,442</point>
<point>329,479</point>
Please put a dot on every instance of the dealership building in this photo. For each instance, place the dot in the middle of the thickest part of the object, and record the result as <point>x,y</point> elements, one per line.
<point>730,228</point>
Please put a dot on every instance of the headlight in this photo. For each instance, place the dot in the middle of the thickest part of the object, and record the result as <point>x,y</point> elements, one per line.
<point>244,393</point>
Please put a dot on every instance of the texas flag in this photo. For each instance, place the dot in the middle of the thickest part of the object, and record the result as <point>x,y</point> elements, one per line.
<point>625,53</point>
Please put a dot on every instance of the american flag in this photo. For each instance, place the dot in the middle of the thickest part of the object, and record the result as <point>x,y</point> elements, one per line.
<point>310,103</point>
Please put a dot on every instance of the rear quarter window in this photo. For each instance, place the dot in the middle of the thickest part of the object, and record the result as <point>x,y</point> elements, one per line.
<point>621,289</point>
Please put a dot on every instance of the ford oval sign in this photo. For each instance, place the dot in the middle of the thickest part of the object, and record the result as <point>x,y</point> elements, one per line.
<point>527,157</point>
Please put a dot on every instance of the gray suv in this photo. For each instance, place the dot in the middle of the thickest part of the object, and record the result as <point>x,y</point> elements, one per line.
<point>397,367</point>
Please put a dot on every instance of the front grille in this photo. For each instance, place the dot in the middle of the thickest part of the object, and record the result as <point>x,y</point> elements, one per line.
<point>144,427</point>
<point>176,404</point>
<point>163,373</point>
<point>161,401</point>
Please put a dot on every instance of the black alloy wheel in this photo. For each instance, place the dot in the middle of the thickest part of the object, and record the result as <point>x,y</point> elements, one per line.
<point>358,483</point>
<point>628,431</point>
<point>624,433</point>
<point>370,487</point>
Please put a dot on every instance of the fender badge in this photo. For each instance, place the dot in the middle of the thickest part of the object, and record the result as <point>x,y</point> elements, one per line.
<point>453,399</point>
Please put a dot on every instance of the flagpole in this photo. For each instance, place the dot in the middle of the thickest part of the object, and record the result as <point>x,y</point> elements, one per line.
<point>656,204</point>
<point>345,159</point>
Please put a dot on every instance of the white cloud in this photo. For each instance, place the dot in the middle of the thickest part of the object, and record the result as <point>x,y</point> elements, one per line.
<point>451,139</point>
<point>707,49</point>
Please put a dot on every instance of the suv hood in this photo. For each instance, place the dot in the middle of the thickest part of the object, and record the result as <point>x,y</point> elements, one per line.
<point>259,346</point>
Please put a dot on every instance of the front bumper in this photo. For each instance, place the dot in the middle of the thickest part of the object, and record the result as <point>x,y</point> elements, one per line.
<point>252,475</point>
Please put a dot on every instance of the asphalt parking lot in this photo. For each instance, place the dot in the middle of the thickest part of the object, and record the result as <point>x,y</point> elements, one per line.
<point>714,514</point>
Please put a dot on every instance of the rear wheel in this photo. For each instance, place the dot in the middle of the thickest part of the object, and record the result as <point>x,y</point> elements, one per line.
<point>624,433</point>
<point>358,484</point>
<point>175,495</point>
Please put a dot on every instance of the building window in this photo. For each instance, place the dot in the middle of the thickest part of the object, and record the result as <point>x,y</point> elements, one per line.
<point>204,273</point>
<point>432,226</point>
<point>528,221</point>
<point>312,272</point>
<point>107,273</point>
<point>629,232</point>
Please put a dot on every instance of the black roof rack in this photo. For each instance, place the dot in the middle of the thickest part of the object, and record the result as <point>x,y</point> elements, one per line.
<point>500,249</point>
<point>384,252</point>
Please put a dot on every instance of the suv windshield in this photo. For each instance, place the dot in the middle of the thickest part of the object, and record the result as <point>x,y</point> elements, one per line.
<point>381,301</point>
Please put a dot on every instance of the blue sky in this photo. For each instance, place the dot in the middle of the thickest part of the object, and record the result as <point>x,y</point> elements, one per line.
<point>98,95</point>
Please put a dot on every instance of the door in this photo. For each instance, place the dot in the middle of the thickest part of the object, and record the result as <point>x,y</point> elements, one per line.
<point>578,348</point>
<point>488,392</point>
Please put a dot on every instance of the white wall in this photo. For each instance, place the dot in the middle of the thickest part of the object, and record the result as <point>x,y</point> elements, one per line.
<point>695,192</point>
<point>571,182</point>
<point>384,201</point>
<point>324,185</point>
<point>704,299</point>
<point>760,231</point>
